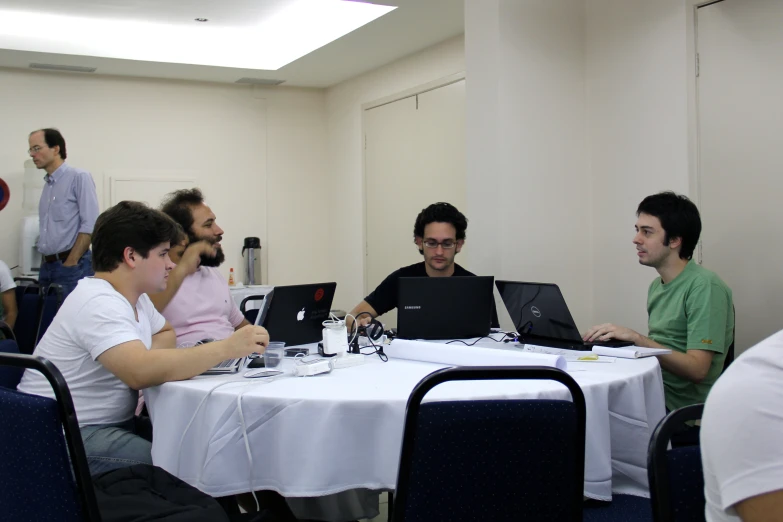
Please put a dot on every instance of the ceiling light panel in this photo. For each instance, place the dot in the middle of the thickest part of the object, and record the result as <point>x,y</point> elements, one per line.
<point>297,29</point>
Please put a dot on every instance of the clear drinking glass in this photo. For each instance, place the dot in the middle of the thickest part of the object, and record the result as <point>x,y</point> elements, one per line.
<point>274,353</point>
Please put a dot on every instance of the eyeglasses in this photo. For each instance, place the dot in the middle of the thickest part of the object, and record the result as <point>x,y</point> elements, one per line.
<point>448,244</point>
<point>35,150</point>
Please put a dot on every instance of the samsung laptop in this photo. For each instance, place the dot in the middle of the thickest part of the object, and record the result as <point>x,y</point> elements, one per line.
<point>444,307</point>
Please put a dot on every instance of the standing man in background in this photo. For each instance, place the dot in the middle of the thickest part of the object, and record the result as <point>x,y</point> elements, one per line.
<point>67,212</point>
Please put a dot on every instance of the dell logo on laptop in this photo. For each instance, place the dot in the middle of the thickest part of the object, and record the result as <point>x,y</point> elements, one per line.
<point>536,311</point>
<point>412,307</point>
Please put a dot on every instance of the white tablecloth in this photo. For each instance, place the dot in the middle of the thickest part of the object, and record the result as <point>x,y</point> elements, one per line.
<point>329,433</point>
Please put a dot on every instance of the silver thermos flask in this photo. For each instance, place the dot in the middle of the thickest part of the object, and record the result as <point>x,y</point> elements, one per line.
<point>252,260</point>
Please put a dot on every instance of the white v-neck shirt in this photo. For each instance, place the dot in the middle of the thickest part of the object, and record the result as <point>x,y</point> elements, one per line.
<point>94,318</point>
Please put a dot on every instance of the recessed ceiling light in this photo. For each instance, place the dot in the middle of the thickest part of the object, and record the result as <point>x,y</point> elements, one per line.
<point>299,28</point>
<point>202,19</point>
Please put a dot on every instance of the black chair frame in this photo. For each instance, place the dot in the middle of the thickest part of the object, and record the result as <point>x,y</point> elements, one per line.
<point>28,280</point>
<point>398,500</point>
<point>70,424</point>
<point>657,464</point>
<point>243,304</point>
<point>730,352</point>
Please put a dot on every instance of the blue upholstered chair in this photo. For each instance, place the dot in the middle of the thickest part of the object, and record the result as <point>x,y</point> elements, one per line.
<point>38,480</point>
<point>50,304</point>
<point>492,460</point>
<point>28,301</point>
<point>9,375</point>
<point>675,475</point>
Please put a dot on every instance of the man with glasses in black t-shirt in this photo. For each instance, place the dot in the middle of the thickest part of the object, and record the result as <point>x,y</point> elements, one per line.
<point>439,233</point>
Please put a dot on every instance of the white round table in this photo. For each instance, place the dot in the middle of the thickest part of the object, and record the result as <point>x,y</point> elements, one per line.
<point>321,435</point>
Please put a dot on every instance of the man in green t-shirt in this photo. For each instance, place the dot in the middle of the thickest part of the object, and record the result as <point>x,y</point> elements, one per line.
<point>690,309</point>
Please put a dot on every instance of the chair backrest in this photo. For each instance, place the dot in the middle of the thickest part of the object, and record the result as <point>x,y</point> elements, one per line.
<point>730,353</point>
<point>251,314</point>
<point>6,332</point>
<point>28,302</point>
<point>492,459</point>
<point>52,300</point>
<point>675,475</point>
<point>10,375</point>
<point>36,474</point>
<point>25,281</point>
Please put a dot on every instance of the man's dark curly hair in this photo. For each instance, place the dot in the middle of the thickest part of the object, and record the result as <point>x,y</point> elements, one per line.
<point>178,205</point>
<point>441,213</point>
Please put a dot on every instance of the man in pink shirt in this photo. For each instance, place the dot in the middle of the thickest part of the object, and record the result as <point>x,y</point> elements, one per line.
<point>197,301</point>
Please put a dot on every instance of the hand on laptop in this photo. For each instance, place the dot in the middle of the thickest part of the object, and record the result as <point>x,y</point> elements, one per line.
<point>248,339</point>
<point>191,259</point>
<point>607,331</point>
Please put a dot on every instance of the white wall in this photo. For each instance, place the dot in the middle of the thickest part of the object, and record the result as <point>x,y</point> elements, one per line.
<point>637,116</point>
<point>529,188</point>
<point>224,134</point>
<point>344,131</point>
<point>298,209</point>
<point>576,111</point>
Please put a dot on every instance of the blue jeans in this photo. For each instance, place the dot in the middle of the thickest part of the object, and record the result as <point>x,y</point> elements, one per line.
<point>112,446</point>
<point>65,276</point>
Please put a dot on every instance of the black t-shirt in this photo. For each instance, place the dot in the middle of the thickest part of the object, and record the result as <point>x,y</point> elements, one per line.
<point>384,298</point>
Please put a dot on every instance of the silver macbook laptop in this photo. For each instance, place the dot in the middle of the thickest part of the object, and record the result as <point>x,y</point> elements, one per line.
<point>227,366</point>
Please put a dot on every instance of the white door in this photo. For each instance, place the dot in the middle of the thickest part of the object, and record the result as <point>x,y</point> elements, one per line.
<point>149,190</point>
<point>414,156</point>
<point>740,46</point>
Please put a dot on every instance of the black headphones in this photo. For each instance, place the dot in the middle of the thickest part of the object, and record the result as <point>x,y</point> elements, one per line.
<point>374,330</point>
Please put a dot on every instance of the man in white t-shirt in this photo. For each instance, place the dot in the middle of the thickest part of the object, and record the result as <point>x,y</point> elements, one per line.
<point>741,432</point>
<point>108,340</point>
<point>8,309</point>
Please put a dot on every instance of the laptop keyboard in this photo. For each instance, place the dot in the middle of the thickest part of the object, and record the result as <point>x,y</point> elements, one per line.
<point>224,367</point>
<point>227,363</point>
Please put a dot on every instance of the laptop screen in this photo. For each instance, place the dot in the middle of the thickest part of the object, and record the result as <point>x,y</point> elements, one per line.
<point>294,314</point>
<point>538,309</point>
<point>444,307</point>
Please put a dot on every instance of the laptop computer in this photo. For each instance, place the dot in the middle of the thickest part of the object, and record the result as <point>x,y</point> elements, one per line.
<point>444,307</point>
<point>294,314</point>
<point>541,316</point>
<point>224,367</point>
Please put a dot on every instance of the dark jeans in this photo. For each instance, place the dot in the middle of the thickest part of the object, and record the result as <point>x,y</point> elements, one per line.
<point>65,276</point>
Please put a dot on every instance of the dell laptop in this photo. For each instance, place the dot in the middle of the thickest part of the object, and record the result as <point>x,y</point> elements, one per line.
<point>541,317</point>
<point>444,307</point>
<point>294,314</point>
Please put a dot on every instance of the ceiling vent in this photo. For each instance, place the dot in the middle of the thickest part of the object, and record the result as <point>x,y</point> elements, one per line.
<point>259,81</point>
<point>66,68</point>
